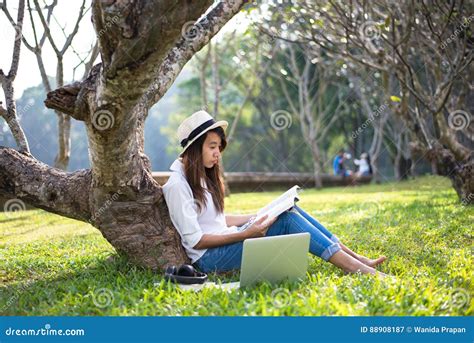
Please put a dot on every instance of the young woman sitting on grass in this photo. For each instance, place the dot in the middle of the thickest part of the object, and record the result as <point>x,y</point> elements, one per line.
<point>212,240</point>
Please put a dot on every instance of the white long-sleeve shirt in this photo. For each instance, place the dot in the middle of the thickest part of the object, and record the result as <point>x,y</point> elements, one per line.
<point>191,225</point>
<point>363,165</point>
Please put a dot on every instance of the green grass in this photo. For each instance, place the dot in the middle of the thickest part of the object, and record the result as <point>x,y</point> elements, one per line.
<point>51,265</point>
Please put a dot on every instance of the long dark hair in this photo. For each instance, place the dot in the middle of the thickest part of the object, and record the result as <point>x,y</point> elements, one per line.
<point>195,171</point>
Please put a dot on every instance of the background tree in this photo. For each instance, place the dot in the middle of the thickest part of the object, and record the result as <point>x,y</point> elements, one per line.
<point>426,46</point>
<point>63,121</point>
<point>315,95</point>
<point>9,113</point>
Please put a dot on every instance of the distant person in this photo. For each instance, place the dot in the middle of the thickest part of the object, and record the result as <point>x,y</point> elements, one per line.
<point>365,169</point>
<point>338,164</point>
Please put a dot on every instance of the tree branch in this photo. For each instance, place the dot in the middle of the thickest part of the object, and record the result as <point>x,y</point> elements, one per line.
<point>72,99</point>
<point>46,28</point>
<point>10,115</point>
<point>38,184</point>
<point>172,64</point>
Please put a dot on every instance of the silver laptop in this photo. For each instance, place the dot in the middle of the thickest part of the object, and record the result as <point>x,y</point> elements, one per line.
<point>274,258</point>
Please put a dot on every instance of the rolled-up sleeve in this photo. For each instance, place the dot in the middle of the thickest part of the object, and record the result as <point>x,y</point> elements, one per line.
<point>180,201</point>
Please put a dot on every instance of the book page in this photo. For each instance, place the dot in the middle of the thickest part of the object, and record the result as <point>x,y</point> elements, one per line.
<point>280,204</point>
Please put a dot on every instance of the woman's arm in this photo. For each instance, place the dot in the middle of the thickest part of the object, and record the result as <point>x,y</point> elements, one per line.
<point>238,220</point>
<point>211,241</point>
<point>257,229</point>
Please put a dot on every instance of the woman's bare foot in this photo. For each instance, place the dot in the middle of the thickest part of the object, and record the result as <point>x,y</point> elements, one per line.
<point>367,261</point>
<point>372,263</point>
<point>350,264</point>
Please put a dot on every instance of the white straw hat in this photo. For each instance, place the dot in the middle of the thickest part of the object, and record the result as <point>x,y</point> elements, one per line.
<point>195,126</point>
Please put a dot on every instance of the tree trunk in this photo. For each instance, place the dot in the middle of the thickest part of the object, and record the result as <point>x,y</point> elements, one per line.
<point>142,53</point>
<point>318,183</point>
<point>61,160</point>
<point>396,166</point>
<point>405,168</point>
<point>226,184</point>
<point>413,172</point>
<point>401,163</point>
<point>434,167</point>
<point>402,167</point>
<point>461,173</point>
<point>316,165</point>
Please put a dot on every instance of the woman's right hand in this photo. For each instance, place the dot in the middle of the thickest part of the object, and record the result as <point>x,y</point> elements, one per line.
<point>259,228</point>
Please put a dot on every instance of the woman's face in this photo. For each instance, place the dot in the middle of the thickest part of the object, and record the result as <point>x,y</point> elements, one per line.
<point>211,150</point>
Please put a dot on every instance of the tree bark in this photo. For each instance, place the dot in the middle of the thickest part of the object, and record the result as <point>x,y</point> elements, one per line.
<point>318,183</point>
<point>24,177</point>
<point>461,173</point>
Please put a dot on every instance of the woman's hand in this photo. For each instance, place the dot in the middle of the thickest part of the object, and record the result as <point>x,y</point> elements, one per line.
<point>237,220</point>
<point>260,227</point>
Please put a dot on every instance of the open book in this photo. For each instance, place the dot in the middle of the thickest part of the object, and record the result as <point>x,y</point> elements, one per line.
<point>276,207</point>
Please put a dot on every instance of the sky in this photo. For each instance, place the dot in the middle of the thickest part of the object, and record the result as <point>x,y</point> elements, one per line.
<point>64,16</point>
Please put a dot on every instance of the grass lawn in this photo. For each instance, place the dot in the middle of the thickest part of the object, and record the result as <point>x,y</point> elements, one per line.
<point>50,265</point>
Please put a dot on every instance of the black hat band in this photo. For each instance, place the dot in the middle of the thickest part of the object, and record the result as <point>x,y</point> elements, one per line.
<point>197,131</point>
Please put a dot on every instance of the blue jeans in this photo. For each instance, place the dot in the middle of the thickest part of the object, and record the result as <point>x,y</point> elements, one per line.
<point>322,243</point>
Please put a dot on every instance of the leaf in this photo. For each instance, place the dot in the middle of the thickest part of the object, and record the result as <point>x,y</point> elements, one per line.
<point>395,98</point>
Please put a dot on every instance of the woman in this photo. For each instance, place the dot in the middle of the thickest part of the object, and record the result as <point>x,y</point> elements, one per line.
<point>365,169</point>
<point>195,197</point>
